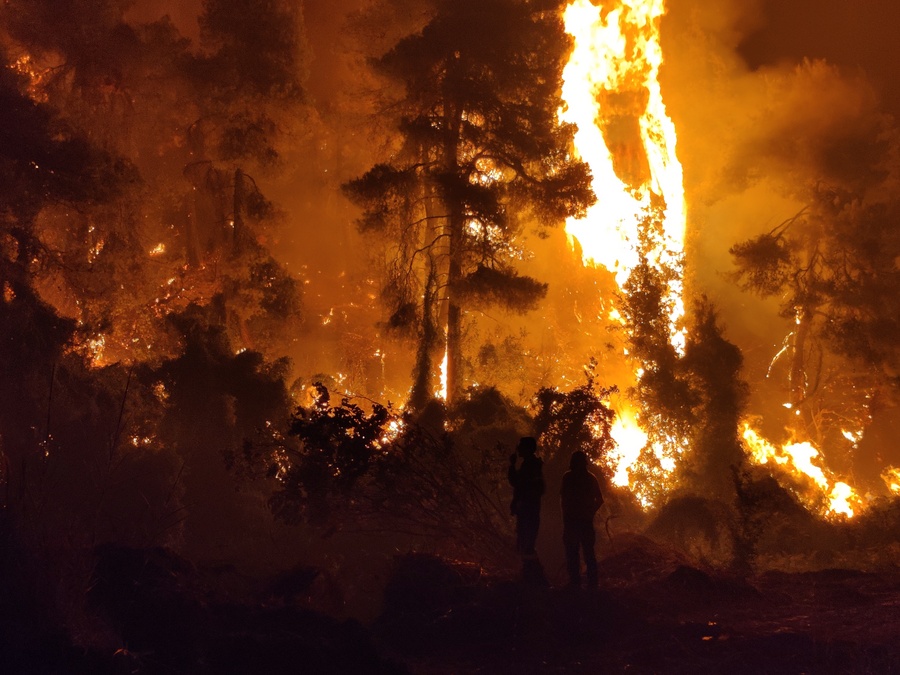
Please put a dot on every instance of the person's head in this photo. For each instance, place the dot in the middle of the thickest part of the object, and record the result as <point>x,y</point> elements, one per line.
<point>579,461</point>
<point>527,446</point>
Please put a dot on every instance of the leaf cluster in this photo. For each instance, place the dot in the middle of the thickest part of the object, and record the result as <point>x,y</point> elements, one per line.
<point>491,286</point>
<point>579,419</point>
<point>764,263</point>
<point>339,442</point>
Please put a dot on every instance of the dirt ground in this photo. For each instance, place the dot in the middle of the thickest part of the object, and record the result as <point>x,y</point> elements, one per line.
<point>652,614</point>
<point>150,612</point>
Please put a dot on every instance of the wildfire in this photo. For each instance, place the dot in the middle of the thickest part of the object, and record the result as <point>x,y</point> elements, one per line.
<point>798,459</point>
<point>891,478</point>
<point>612,93</point>
<point>630,439</point>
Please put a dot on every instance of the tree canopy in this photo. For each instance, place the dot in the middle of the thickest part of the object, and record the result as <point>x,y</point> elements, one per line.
<point>480,152</point>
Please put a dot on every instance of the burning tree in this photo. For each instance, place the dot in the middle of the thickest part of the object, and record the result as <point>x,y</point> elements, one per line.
<point>833,266</point>
<point>480,148</point>
<point>691,400</point>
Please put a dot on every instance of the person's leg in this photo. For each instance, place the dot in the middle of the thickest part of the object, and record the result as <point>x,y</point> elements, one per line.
<point>571,542</point>
<point>589,538</point>
<point>527,524</point>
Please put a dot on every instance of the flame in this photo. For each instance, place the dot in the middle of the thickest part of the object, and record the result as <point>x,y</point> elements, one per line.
<point>630,440</point>
<point>797,459</point>
<point>891,478</point>
<point>612,94</point>
<point>442,393</point>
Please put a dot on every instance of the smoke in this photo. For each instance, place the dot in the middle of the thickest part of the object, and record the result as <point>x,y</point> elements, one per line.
<point>753,141</point>
<point>764,114</point>
<point>183,14</point>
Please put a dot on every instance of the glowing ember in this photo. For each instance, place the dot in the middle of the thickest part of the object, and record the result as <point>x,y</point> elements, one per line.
<point>95,348</point>
<point>852,436</point>
<point>24,65</point>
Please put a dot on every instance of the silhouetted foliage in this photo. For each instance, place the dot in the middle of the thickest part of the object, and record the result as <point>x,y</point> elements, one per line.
<point>220,409</point>
<point>832,267</point>
<point>338,445</point>
<point>480,150</point>
<point>375,470</point>
<point>579,419</point>
<point>764,263</point>
<point>713,367</point>
<point>491,286</point>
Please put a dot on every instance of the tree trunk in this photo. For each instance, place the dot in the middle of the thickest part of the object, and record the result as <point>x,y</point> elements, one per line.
<point>423,371</point>
<point>454,314</point>
<point>455,233</point>
<point>426,364</point>
<point>799,376</point>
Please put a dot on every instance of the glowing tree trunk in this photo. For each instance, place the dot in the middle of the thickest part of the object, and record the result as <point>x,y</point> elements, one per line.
<point>455,233</point>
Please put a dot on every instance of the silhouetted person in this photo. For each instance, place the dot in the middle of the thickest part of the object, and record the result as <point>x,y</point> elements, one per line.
<point>528,487</point>
<point>581,497</point>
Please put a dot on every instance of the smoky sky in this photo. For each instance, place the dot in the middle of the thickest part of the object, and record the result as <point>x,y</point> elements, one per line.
<point>855,35</point>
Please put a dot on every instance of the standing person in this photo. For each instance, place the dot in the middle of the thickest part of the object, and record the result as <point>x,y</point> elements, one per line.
<point>581,497</point>
<point>528,487</point>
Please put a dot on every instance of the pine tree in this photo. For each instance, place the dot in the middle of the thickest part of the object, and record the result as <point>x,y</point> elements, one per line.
<point>480,151</point>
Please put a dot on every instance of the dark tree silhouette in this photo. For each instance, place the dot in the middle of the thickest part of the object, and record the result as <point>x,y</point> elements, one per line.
<point>480,150</point>
<point>833,268</point>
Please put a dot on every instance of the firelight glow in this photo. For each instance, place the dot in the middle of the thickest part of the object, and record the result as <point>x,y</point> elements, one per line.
<point>612,94</point>
<point>629,438</point>
<point>798,459</point>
